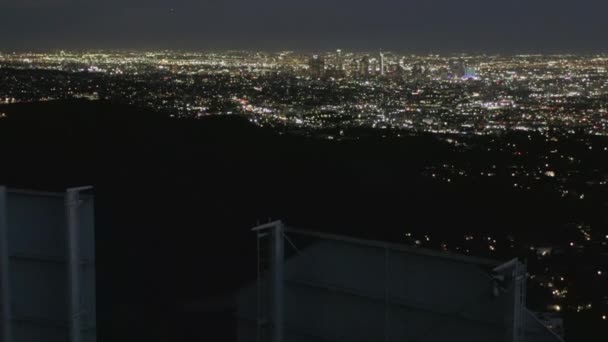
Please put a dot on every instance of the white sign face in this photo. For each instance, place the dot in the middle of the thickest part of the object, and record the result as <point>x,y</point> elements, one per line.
<point>37,259</point>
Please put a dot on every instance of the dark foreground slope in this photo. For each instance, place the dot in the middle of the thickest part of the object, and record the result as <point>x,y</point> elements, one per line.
<point>175,200</point>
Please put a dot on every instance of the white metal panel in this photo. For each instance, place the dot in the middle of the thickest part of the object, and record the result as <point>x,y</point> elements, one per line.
<point>29,330</point>
<point>39,290</point>
<point>36,225</point>
<point>38,261</point>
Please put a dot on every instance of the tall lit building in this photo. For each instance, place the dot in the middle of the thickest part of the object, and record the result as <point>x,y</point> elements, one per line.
<point>364,67</point>
<point>382,68</point>
<point>316,66</point>
<point>470,72</point>
<point>459,69</point>
<point>417,72</point>
<point>339,60</point>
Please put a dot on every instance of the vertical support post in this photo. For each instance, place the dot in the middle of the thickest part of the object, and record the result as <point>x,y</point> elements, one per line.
<point>387,307</point>
<point>73,229</point>
<point>519,280</point>
<point>278,282</point>
<point>258,287</point>
<point>516,303</point>
<point>510,273</point>
<point>5,305</point>
<point>515,275</point>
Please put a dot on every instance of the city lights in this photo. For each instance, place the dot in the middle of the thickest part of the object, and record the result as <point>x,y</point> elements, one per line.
<point>465,95</point>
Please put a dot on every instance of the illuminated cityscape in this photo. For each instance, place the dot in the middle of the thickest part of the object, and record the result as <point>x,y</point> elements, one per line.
<point>278,171</point>
<point>530,126</point>
<point>462,94</point>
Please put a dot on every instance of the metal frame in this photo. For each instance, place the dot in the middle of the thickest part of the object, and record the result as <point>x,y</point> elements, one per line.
<point>519,293</point>
<point>395,247</point>
<point>514,322</point>
<point>387,296</point>
<point>5,305</point>
<point>278,277</point>
<point>515,271</point>
<point>72,206</point>
<point>278,282</point>
<point>277,231</point>
<point>35,193</point>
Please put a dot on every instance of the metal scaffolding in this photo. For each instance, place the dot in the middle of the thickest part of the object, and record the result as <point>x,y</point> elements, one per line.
<point>272,283</point>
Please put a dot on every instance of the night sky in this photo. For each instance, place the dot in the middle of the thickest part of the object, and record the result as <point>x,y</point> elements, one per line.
<point>417,26</point>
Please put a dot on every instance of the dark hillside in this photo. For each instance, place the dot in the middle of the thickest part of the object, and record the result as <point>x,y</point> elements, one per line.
<point>175,199</point>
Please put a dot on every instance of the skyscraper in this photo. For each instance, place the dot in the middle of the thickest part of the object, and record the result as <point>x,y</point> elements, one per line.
<point>470,72</point>
<point>459,69</point>
<point>316,66</point>
<point>382,71</point>
<point>364,67</point>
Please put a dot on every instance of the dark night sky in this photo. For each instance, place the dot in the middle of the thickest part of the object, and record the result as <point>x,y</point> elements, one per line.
<point>419,26</point>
